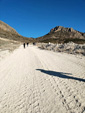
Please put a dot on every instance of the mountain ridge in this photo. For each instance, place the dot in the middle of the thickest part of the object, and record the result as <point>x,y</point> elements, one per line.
<point>60,34</point>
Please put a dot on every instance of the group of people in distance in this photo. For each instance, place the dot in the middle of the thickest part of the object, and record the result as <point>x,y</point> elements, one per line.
<point>27,44</point>
<point>24,44</point>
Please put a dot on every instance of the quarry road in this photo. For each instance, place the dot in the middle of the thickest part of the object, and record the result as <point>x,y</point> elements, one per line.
<point>40,81</point>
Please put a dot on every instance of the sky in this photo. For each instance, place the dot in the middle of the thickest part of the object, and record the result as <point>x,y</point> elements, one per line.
<point>35,18</point>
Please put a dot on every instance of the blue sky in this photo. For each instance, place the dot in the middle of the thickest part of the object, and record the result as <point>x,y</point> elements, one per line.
<point>35,18</point>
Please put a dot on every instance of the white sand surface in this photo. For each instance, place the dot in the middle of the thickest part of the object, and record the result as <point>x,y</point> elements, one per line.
<point>3,54</point>
<point>41,81</point>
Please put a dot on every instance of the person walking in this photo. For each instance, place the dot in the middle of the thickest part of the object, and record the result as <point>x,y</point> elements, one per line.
<point>24,45</point>
<point>27,43</point>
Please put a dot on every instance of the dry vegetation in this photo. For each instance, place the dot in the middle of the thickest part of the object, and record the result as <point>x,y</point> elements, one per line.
<point>8,45</point>
<point>63,40</point>
<point>70,47</point>
<point>13,36</point>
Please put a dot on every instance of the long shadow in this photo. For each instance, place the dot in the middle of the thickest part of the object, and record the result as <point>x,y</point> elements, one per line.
<point>60,74</point>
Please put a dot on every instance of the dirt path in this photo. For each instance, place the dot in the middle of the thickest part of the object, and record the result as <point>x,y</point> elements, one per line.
<point>40,81</point>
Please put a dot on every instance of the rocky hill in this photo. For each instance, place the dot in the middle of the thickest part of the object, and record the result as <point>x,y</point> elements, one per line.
<point>60,34</point>
<point>7,28</point>
<point>9,33</point>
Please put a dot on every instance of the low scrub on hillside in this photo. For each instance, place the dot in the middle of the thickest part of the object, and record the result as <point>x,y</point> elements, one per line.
<point>63,40</point>
<point>8,45</point>
<point>14,36</point>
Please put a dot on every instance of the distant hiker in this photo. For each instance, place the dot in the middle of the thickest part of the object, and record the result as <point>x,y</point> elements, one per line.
<point>33,43</point>
<point>27,44</point>
<point>24,45</point>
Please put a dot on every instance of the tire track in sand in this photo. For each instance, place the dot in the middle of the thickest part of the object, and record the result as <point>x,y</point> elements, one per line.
<point>27,90</point>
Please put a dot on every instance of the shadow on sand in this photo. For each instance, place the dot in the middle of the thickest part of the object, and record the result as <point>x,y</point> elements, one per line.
<point>60,74</point>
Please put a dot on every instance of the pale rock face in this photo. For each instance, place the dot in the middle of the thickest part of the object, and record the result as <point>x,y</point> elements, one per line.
<point>71,30</point>
<point>78,35</point>
<point>60,28</point>
<point>57,28</point>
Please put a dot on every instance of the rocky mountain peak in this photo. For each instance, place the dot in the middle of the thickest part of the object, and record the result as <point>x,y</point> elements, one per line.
<point>60,28</point>
<point>57,28</point>
<point>61,34</point>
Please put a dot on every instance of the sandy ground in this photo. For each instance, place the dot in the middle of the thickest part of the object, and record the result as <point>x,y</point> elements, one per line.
<point>41,81</point>
<point>4,53</point>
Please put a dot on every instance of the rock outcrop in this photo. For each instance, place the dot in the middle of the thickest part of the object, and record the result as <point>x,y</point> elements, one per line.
<point>60,28</point>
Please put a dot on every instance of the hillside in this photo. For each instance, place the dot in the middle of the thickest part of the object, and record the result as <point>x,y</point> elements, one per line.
<point>9,33</point>
<point>9,38</point>
<point>60,34</point>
